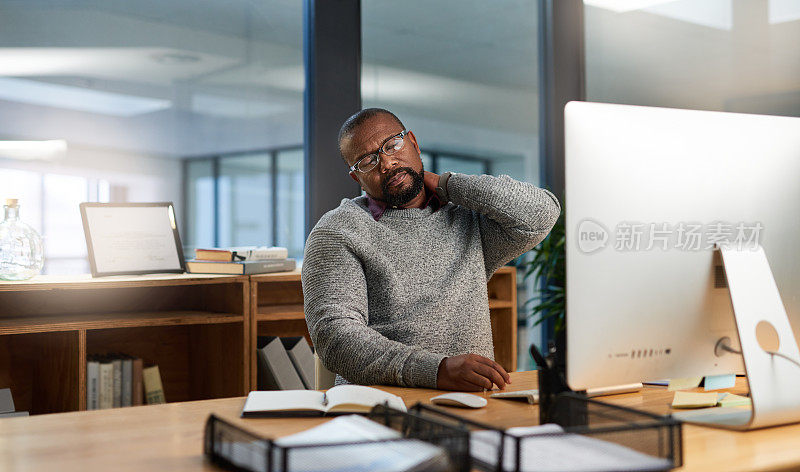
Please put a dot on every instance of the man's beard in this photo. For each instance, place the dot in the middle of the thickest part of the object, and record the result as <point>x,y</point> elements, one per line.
<point>406,194</point>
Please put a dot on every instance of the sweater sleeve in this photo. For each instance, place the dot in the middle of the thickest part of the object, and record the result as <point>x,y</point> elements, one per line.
<point>513,216</point>
<point>336,311</point>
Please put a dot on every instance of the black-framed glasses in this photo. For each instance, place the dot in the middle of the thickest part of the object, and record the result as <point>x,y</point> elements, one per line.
<point>370,161</point>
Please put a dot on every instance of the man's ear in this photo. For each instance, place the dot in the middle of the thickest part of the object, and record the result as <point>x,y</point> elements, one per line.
<point>414,141</point>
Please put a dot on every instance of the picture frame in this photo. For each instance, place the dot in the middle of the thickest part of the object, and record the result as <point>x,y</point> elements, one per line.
<point>132,238</point>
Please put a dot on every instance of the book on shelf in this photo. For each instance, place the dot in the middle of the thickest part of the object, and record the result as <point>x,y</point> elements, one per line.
<point>302,358</point>
<point>113,380</point>
<point>105,386</point>
<point>339,399</point>
<point>127,381</point>
<point>116,362</point>
<point>7,408</point>
<point>92,383</point>
<point>275,368</point>
<point>242,253</point>
<point>6,401</point>
<point>137,382</point>
<point>154,390</point>
<point>240,268</point>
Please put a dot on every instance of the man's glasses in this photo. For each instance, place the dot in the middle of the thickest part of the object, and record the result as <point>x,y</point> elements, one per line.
<point>370,161</point>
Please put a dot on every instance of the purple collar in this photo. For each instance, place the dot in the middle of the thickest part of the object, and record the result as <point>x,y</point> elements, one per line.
<point>377,207</point>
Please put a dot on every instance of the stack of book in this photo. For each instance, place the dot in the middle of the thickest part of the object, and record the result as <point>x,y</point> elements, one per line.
<point>285,363</point>
<point>118,380</point>
<point>241,261</point>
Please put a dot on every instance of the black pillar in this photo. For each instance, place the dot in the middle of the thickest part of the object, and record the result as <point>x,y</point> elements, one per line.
<point>332,55</point>
<point>561,79</point>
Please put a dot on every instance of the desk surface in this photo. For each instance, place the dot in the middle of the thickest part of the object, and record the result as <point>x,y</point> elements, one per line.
<point>169,437</point>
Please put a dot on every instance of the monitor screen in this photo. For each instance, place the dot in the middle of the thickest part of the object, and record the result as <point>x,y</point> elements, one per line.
<point>649,191</point>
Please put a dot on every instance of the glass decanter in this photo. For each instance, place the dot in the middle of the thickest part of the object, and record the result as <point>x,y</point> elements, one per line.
<point>21,251</point>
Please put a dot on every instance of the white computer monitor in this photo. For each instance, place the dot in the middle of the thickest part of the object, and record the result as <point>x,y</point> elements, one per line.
<point>647,299</point>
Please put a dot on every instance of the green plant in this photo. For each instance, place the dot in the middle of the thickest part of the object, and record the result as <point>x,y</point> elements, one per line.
<point>548,267</point>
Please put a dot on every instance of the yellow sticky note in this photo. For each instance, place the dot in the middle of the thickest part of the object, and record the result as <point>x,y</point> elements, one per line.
<point>729,399</point>
<point>683,384</point>
<point>694,399</point>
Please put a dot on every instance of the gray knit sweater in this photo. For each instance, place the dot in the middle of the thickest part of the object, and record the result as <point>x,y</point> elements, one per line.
<point>387,300</point>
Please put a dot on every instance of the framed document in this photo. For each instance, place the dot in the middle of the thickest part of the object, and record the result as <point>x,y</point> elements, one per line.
<point>132,238</point>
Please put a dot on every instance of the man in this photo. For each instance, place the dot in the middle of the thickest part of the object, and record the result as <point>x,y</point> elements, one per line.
<point>394,282</point>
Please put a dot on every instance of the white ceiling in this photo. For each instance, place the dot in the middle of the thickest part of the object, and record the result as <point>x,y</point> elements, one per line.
<point>232,74</point>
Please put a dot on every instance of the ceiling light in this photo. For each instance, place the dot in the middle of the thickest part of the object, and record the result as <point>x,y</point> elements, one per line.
<point>624,5</point>
<point>173,58</point>
<point>35,92</point>
<point>781,11</point>
<point>33,150</point>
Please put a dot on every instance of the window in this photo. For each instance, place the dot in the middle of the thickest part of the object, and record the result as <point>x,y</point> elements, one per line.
<point>244,204</point>
<point>290,203</point>
<point>253,199</point>
<point>134,88</point>
<point>722,55</point>
<point>49,203</point>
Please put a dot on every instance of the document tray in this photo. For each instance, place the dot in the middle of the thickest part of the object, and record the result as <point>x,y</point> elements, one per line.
<point>424,444</point>
<point>644,440</point>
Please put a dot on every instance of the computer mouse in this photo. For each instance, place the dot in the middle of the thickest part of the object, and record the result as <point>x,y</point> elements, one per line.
<point>463,400</point>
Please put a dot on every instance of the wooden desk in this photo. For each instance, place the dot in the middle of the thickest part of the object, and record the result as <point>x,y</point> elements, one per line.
<point>169,437</point>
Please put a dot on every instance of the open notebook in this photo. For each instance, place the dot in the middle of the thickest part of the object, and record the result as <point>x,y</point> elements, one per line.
<point>341,399</point>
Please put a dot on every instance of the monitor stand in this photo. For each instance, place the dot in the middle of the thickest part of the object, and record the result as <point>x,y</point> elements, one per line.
<point>769,349</point>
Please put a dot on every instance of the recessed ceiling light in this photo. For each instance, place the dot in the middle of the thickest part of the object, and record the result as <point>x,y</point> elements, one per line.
<point>33,150</point>
<point>624,5</point>
<point>34,92</point>
<point>174,58</point>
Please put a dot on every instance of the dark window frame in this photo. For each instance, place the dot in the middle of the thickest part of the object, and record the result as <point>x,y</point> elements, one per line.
<point>216,159</point>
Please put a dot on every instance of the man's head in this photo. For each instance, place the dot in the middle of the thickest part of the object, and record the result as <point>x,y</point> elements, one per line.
<point>398,177</point>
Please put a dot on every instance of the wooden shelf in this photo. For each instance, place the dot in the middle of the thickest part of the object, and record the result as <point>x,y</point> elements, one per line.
<point>86,281</point>
<point>201,329</point>
<point>293,276</point>
<point>195,327</point>
<point>495,303</point>
<point>50,323</point>
<point>280,312</point>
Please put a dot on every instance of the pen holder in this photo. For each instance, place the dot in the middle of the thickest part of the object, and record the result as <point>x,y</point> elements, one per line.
<point>552,383</point>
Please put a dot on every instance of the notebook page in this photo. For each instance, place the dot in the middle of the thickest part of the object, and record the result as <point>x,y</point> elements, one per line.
<point>283,400</point>
<point>388,456</point>
<point>361,395</point>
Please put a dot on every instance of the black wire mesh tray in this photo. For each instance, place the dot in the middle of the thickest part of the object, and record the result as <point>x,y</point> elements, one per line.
<point>424,444</point>
<point>590,436</point>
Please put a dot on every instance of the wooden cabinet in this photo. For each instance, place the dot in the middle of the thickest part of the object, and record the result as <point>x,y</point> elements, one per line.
<point>502,289</point>
<point>200,330</point>
<point>194,327</point>
<point>277,310</point>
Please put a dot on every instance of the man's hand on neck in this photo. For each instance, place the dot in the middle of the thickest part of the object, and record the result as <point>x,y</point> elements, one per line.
<point>430,182</point>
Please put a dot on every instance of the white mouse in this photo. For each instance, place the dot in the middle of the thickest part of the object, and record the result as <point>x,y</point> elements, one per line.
<point>463,400</point>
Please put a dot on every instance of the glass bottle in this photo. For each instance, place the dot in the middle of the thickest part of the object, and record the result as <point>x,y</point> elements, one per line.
<point>21,251</point>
